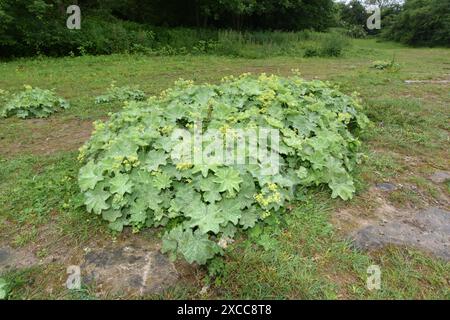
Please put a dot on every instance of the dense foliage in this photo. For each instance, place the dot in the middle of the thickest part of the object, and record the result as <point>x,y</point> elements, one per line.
<point>353,15</point>
<point>137,172</point>
<point>39,26</point>
<point>110,26</point>
<point>32,103</point>
<point>422,22</point>
<point>331,45</point>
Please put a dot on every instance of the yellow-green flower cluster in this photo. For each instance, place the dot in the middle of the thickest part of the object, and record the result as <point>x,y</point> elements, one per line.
<point>184,166</point>
<point>130,162</point>
<point>274,197</point>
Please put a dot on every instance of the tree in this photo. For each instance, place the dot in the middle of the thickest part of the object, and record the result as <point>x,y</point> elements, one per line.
<point>422,22</point>
<point>353,13</point>
<point>383,4</point>
<point>39,26</point>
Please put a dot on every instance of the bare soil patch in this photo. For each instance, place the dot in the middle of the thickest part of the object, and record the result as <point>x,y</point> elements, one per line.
<point>46,136</point>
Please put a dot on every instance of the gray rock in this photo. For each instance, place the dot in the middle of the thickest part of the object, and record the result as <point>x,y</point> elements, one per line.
<point>440,176</point>
<point>386,186</point>
<point>4,255</point>
<point>11,259</point>
<point>427,81</point>
<point>428,230</point>
<point>129,270</point>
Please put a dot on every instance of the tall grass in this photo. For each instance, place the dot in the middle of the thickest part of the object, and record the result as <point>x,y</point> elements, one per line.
<point>249,44</point>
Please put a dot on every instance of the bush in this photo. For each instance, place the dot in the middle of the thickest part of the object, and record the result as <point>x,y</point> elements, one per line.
<point>139,171</point>
<point>355,31</point>
<point>38,27</point>
<point>332,45</point>
<point>385,65</point>
<point>327,45</point>
<point>183,37</point>
<point>103,35</point>
<point>120,94</point>
<point>33,103</point>
<point>311,52</point>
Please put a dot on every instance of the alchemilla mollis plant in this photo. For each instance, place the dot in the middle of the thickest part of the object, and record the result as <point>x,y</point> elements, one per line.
<point>33,103</point>
<point>120,94</point>
<point>160,163</point>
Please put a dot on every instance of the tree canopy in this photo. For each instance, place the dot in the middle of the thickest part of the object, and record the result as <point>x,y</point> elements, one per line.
<point>39,26</point>
<point>422,22</point>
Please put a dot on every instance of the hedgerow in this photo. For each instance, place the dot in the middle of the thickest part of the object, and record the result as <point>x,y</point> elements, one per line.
<point>136,174</point>
<point>32,103</point>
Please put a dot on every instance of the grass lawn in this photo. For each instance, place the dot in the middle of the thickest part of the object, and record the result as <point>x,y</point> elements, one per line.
<point>309,257</point>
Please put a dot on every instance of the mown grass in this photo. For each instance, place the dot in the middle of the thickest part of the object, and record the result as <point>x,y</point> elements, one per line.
<point>308,258</point>
<point>40,190</point>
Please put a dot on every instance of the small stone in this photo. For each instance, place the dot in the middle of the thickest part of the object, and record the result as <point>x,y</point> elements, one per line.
<point>4,254</point>
<point>386,186</point>
<point>440,176</point>
<point>427,81</point>
<point>224,242</point>
<point>12,258</point>
<point>204,290</point>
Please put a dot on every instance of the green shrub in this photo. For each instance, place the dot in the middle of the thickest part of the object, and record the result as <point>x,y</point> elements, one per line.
<point>311,52</point>
<point>205,46</point>
<point>33,103</point>
<point>178,38</point>
<point>120,94</point>
<point>332,45</point>
<point>108,35</point>
<point>39,28</point>
<point>327,45</point>
<point>385,65</point>
<point>355,31</point>
<point>138,172</point>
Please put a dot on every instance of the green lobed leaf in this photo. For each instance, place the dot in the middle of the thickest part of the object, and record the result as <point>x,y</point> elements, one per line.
<point>138,171</point>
